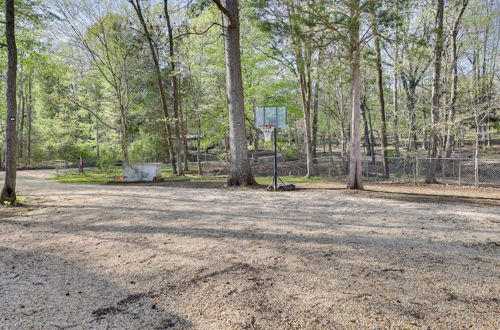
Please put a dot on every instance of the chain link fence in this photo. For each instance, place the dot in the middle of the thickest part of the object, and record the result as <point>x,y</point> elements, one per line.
<point>411,169</point>
<point>478,172</point>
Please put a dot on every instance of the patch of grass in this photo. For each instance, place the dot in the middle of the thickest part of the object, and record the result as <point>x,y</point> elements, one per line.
<point>19,201</point>
<point>267,180</point>
<point>195,178</point>
<point>88,177</point>
<point>263,180</point>
<point>100,177</point>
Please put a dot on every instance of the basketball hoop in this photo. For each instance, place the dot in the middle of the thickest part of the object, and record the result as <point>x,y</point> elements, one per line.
<point>269,120</point>
<point>268,131</point>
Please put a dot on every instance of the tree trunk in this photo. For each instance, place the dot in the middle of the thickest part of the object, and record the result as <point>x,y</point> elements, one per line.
<point>396,95</point>
<point>175,88</point>
<point>9,188</point>
<point>450,136</point>
<point>305,83</point>
<point>124,132</point>
<point>303,57</point>
<point>20,116</point>
<point>355,179</point>
<point>159,81</point>
<point>315,109</point>
<point>380,94</point>
<point>185,151</point>
<point>367,140</point>
<point>240,173</point>
<point>372,138</point>
<point>438,52</point>
<point>342,120</point>
<point>410,86</point>
<point>30,120</point>
<point>198,147</point>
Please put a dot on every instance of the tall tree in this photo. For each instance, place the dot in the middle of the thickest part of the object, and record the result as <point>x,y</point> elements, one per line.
<point>9,188</point>
<point>355,178</point>
<point>438,53</point>
<point>380,93</point>
<point>304,63</point>
<point>175,89</point>
<point>109,51</point>
<point>450,137</point>
<point>240,173</point>
<point>395,79</point>
<point>159,81</point>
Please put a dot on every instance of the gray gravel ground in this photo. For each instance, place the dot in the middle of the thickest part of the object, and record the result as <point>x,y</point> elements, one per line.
<point>151,257</point>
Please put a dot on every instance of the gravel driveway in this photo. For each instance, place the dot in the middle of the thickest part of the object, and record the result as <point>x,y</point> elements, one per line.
<point>156,257</point>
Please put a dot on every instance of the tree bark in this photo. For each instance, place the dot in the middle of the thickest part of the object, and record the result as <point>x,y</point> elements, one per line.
<point>240,173</point>
<point>410,86</point>
<point>367,140</point>
<point>355,179</point>
<point>9,188</point>
<point>380,94</point>
<point>303,65</point>
<point>315,108</point>
<point>370,126</point>
<point>175,88</point>
<point>315,111</point>
<point>396,110</point>
<point>438,52</point>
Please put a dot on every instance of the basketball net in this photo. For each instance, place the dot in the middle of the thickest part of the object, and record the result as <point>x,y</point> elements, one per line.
<point>268,131</point>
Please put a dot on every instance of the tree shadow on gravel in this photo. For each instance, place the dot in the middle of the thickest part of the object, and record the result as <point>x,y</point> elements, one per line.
<point>42,290</point>
<point>427,198</point>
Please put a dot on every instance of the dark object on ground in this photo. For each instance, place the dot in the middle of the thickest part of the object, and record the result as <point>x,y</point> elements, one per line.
<point>282,187</point>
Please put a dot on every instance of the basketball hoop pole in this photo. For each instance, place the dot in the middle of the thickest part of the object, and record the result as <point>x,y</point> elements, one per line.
<point>269,119</point>
<point>275,172</point>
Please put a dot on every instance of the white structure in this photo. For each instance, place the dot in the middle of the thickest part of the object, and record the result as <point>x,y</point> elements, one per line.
<point>142,172</point>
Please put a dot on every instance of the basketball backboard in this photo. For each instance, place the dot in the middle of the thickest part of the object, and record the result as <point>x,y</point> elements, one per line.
<point>275,116</point>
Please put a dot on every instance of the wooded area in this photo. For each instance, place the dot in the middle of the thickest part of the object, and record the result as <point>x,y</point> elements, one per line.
<point>139,81</point>
<point>129,126</point>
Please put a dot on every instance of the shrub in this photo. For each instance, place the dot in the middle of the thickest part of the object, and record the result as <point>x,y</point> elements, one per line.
<point>292,154</point>
<point>106,162</point>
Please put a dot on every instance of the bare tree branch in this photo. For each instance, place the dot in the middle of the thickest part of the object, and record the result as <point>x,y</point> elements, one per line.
<point>196,32</point>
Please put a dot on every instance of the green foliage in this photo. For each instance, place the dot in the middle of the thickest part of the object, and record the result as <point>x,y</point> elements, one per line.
<point>292,154</point>
<point>82,99</point>
<point>107,162</point>
<point>88,177</point>
<point>100,177</point>
<point>144,149</point>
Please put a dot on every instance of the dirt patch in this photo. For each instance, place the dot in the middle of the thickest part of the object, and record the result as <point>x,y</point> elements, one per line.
<point>166,256</point>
